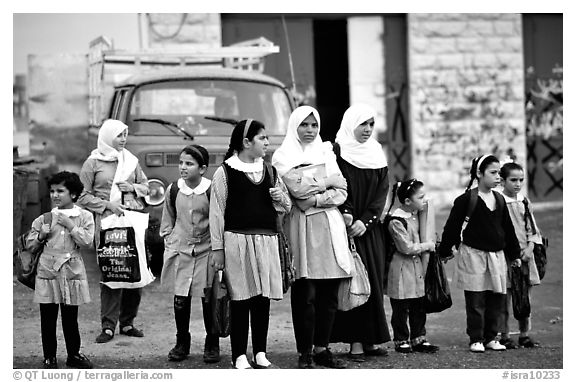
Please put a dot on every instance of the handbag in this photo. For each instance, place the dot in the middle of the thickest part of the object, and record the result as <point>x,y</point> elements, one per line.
<point>218,301</point>
<point>26,260</point>
<point>540,257</point>
<point>520,286</point>
<point>437,291</point>
<point>354,291</point>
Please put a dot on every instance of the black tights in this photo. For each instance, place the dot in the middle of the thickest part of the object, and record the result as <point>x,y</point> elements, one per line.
<point>257,311</point>
<point>48,318</point>
<point>182,307</point>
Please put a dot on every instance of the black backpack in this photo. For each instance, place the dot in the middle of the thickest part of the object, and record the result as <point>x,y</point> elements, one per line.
<point>389,246</point>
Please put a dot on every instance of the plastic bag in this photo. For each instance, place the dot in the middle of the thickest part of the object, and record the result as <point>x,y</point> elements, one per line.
<point>520,286</point>
<point>540,257</point>
<point>437,291</point>
<point>121,253</point>
<point>354,291</point>
<point>218,301</point>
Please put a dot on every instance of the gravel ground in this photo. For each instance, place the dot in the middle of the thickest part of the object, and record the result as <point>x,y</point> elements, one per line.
<point>446,329</point>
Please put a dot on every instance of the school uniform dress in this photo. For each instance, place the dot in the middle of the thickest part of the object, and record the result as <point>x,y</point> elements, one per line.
<point>243,224</point>
<point>488,240</point>
<point>406,280</point>
<point>187,244</point>
<point>61,276</point>
<point>367,190</point>
<point>524,234</point>
<point>97,177</point>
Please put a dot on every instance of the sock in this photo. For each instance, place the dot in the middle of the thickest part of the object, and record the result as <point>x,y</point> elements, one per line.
<point>242,362</point>
<point>261,359</point>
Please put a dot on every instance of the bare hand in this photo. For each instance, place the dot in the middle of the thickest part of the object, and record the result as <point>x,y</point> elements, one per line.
<point>429,246</point>
<point>357,229</point>
<point>348,219</point>
<point>65,221</point>
<point>217,259</point>
<point>44,231</point>
<point>116,208</point>
<point>527,253</point>
<point>125,186</point>
<point>516,263</point>
<point>276,194</point>
<point>336,181</point>
<point>305,204</point>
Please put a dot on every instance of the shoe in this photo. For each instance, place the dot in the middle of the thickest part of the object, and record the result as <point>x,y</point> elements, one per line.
<point>182,348</point>
<point>211,349</point>
<point>527,342</point>
<point>105,336</point>
<point>242,363</point>
<point>495,345</point>
<point>358,357</point>
<point>326,359</point>
<point>425,347</point>
<point>79,361</point>
<point>477,347</point>
<point>270,365</point>
<point>403,348</point>
<point>50,363</point>
<point>509,343</point>
<point>305,361</point>
<point>376,352</point>
<point>131,331</point>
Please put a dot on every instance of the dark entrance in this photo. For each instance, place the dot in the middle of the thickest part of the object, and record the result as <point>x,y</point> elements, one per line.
<point>331,73</point>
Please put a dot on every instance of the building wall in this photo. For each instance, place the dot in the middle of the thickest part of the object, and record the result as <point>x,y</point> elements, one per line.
<point>466,95</point>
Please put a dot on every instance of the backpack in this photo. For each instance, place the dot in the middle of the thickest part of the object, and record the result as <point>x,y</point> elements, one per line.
<point>389,246</point>
<point>174,192</point>
<point>26,260</point>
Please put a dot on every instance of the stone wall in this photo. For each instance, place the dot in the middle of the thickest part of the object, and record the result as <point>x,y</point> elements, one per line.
<point>466,95</point>
<point>165,30</point>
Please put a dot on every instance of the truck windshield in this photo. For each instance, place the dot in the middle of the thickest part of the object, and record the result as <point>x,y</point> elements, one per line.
<point>187,102</point>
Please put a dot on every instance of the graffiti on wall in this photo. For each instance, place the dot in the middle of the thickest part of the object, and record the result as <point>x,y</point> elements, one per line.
<point>467,112</point>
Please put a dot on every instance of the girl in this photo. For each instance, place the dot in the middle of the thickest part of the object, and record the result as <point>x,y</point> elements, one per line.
<point>244,238</point>
<point>482,244</point>
<point>187,245</point>
<point>109,172</point>
<point>317,234</point>
<point>61,277</point>
<point>512,176</point>
<point>406,275</point>
<point>363,164</point>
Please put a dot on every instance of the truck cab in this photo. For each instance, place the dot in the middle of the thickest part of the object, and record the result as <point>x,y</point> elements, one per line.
<point>169,108</point>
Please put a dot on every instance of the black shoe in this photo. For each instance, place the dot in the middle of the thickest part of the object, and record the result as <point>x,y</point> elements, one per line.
<point>376,352</point>
<point>211,349</point>
<point>527,342</point>
<point>403,348</point>
<point>131,331</point>
<point>50,363</point>
<point>358,357</point>
<point>509,343</point>
<point>326,359</point>
<point>425,347</point>
<point>305,361</point>
<point>79,361</point>
<point>181,350</point>
<point>105,336</point>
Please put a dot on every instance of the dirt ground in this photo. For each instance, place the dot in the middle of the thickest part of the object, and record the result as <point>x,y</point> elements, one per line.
<point>446,329</point>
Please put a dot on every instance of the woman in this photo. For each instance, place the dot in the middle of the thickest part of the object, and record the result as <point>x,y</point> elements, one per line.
<point>363,164</point>
<point>113,180</point>
<point>244,238</point>
<point>316,232</point>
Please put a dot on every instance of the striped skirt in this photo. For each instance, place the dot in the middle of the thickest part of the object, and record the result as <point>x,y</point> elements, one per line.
<point>252,266</point>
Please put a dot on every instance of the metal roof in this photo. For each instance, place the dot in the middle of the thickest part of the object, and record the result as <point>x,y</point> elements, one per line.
<point>197,73</point>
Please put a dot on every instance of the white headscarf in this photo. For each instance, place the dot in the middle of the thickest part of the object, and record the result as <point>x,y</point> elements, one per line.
<point>362,155</point>
<point>127,162</point>
<point>293,153</point>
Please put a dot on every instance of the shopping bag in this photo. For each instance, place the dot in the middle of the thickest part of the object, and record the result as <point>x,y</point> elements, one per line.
<point>121,253</point>
<point>354,291</point>
<point>218,301</point>
<point>520,286</point>
<point>436,289</point>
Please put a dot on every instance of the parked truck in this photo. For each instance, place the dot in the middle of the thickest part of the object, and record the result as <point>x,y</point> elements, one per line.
<point>167,99</point>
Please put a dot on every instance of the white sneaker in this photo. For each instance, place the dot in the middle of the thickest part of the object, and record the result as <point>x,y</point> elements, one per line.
<point>242,362</point>
<point>495,345</point>
<point>477,347</point>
